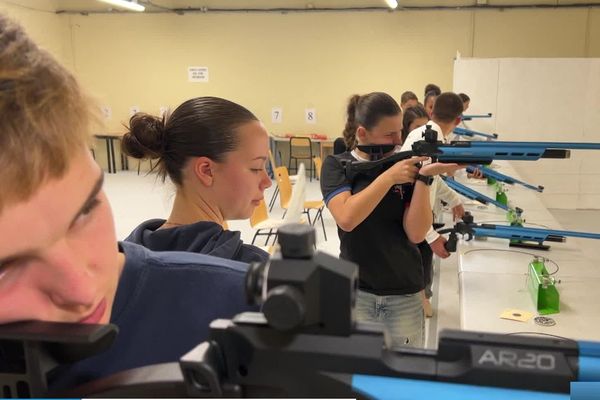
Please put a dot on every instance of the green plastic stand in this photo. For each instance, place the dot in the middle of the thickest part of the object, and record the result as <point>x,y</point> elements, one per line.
<point>542,289</point>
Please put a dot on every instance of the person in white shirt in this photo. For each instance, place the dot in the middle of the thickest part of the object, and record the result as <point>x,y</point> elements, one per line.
<point>445,117</point>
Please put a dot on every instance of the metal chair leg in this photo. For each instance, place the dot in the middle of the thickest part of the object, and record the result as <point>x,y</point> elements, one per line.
<point>322,223</point>
<point>273,198</point>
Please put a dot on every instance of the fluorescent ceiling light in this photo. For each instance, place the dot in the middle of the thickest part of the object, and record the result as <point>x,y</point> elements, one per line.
<point>392,3</point>
<point>130,5</point>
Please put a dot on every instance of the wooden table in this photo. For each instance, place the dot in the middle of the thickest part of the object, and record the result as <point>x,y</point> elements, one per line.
<point>322,143</point>
<point>110,138</point>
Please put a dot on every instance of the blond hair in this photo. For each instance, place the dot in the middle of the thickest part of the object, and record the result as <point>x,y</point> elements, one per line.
<point>45,117</point>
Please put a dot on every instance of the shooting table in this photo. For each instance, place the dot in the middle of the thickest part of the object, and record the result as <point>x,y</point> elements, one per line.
<point>493,281</point>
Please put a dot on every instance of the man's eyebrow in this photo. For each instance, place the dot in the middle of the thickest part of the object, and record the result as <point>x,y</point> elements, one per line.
<point>260,158</point>
<point>93,193</point>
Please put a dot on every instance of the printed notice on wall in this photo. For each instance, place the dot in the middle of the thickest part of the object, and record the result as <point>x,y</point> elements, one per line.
<point>106,112</point>
<point>310,114</point>
<point>198,74</point>
<point>277,115</point>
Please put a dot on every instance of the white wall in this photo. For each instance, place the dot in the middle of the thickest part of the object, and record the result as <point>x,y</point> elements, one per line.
<point>535,99</point>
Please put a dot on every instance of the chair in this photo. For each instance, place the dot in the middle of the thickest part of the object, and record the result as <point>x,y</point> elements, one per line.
<point>285,191</point>
<point>301,149</point>
<point>293,179</point>
<point>261,221</point>
<point>295,207</point>
<point>318,164</point>
<point>276,191</point>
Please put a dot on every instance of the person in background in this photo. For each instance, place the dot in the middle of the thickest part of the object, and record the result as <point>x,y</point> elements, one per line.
<point>377,227</point>
<point>215,152</point>
<point>60,260</point>
<point>339,146</point>
<point>431,87</point>
<point>429,102</point>
<point>446,116</point>
<point>407,100</point>
<point>413,118</point>
<point>466,101</point>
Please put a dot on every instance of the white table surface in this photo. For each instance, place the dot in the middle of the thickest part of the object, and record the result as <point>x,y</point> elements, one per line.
<point>493,281</point>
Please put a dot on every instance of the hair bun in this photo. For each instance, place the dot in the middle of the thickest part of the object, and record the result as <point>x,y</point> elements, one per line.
<point>146,137</point>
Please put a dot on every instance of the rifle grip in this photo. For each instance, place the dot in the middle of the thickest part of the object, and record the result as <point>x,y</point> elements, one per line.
<point>452,242</point>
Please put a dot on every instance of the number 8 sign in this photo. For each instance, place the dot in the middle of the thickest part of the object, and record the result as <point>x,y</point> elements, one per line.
<point>310,115</point>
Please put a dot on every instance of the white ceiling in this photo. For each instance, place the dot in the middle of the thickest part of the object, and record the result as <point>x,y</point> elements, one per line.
<point>163,5</point>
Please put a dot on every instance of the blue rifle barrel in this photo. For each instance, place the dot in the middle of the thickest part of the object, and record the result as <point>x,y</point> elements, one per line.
<point>473,194</point>
<point>469,117</point>
<point>529,234</point>
<point>490,173</point>
<point>471,133</point>
<point>383,387</point>
<point>486,152</point>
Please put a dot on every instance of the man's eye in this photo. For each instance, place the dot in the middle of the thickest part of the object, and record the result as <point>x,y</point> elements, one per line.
<point>86,212</point>
<point>90,207</point>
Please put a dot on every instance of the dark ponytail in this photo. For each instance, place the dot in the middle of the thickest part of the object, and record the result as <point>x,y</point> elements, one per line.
<point>367,111</point>
<point>351,125</point>
<point>200,127</point>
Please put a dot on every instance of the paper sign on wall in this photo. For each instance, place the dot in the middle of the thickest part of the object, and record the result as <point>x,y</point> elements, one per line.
<point>106,112</point>
<point>134,110</point>
<point>310,115</point>
<point>198,74</point>
<point>277,115</point>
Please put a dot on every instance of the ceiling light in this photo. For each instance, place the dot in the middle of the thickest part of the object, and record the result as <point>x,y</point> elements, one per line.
<point>392,3</point>
<point>130,5</point>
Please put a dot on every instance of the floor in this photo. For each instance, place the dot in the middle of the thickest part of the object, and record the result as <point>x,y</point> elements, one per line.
<point>135,198</point>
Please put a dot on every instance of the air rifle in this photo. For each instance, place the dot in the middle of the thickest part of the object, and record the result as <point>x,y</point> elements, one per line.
<point>307,343</point>
<point>473,194</point>
<point>471,133</point>
<point>519,236</point>
<point>473,116</point>
<point>490,173</point>
<point>462,152</point>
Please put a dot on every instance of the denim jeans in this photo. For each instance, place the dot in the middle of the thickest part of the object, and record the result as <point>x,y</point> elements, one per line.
<point>402,315</point>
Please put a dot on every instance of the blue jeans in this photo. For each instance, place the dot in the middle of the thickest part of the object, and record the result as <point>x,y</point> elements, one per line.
<point>402,315</point>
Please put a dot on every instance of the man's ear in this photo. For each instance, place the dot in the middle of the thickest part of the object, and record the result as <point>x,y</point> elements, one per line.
<point>204,170</point>
<point>361,133</point>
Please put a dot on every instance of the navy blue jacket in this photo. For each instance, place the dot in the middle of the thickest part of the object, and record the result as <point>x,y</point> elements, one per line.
<point>202,237</point>
<point>163,306</point>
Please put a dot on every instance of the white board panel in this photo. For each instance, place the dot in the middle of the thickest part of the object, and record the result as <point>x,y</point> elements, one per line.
<point>478,78</point>
<point>542,100</point>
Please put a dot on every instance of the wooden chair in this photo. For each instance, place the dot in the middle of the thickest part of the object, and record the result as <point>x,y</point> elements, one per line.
<point>285,191</point>
<point>261,221</point>
<point>293,179</point>
<point>318,164</point>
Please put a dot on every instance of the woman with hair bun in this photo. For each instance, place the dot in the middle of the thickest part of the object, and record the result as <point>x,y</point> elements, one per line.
<point>214,151</point>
